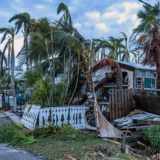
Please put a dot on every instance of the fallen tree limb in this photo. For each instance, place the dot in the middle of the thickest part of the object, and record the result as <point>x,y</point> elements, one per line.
<point>112,141</point>
<point>142,144</point>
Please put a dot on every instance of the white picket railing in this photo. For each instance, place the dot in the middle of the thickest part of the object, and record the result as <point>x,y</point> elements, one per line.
<point>0,100</point>
<point>30,116</point>
<point>73,115</point>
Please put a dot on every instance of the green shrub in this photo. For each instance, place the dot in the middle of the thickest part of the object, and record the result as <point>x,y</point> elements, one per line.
<point>152,136</point>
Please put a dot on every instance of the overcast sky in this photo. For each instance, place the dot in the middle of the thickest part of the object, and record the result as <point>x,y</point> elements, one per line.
<point>92,18</point>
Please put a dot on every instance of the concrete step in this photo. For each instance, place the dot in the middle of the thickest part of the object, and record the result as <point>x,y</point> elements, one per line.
<point>16,119</point>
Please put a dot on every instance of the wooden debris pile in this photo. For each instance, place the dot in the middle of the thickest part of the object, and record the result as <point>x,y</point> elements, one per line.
<point>132,126</point>
<point>136,121</point>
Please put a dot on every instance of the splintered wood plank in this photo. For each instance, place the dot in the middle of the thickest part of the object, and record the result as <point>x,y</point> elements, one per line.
<point>129,103</point>
<point>116,103</point>
<point>121,103</point>
<point>113,104</point>
<point>125,102</point>
<point>110,105</point>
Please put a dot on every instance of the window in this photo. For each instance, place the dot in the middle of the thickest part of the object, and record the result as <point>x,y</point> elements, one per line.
<point>148,82</point>
<point>138,82</point>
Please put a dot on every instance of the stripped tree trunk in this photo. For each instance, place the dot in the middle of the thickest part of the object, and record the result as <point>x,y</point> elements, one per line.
<point>12,64</point>
<point>116,71</point>
<point>9,58</point>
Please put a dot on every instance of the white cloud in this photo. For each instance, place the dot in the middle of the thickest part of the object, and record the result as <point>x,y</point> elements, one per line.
<point>49,0</point>
<point>134,17</point>
<point>18,45</point>
<point>75,2</point>
<point>109,14</point>
<point>77,25</point>
<point>5,14</point>
<point>39,6</point>
<point>19,2</point>
<point>130,6</point>
<point>87,24</point>
<point>92,19</point>
<point>101,26</point>
<point>92,15</point>
<point>122,18</point>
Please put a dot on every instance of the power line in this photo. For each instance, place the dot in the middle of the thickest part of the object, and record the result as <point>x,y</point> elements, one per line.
<point>149,5</point>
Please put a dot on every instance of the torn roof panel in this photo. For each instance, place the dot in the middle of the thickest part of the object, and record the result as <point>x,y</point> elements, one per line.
<point>136,66</point>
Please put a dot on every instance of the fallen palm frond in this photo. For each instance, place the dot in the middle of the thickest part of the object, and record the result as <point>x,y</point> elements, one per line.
<point>13,134</point>
<point>64,132</point>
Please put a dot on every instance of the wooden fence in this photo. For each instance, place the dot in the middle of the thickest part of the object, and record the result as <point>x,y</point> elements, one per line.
<point>147,99</point>
<point>121,103</point>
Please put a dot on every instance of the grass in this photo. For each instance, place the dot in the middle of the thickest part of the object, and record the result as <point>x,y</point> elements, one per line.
<point>57,150</point>
<point>56,143</point>
<point>81,150</point>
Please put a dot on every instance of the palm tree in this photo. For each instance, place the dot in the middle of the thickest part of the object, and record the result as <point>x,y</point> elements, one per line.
<point>9,55</point>
<point>66,17</point>
<point>113,45</point>
<point>3,62</point>
<point>138,55</point>
<point>148,35</point>
<point>23,19</point>
<point>39,49</point>
<point>127,52</point>
<point>11,33</point>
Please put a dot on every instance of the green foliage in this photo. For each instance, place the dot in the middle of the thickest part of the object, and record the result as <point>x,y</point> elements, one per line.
<point>41,92</point>
<point>64,132</point>
<point>6,79</point>
<point>33,76</point>
<point>58,95</point>
<point>12,134</point>
<point>152,135</point>
<point>45,93</point>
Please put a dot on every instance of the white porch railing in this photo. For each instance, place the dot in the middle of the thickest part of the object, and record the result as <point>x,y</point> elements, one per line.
<point>30,116</point>
<point>73,115</point>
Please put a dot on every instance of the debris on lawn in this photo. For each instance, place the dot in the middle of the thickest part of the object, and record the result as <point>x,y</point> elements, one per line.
<point>70,157</point>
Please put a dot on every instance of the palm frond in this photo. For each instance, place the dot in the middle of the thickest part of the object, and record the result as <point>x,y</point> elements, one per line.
<point>62,7</point>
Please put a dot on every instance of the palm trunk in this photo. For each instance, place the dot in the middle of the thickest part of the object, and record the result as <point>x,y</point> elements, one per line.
<point>2,69</point>
<point>9,58</point>
<point>69,66</point>
<point>12,64</point>
<point>157,60</point>
<point>26,45</point>
<point>158,70</point>
<point>53,62</point>
<point>1,63</point>
<point>158,73</point>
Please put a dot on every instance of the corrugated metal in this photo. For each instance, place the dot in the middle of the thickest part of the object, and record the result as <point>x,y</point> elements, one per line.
<point>148,103</point>
<point>137,66</point>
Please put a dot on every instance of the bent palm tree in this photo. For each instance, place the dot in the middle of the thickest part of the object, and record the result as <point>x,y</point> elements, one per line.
<point>148,35</point>
<point>3,60</point>
<point>66,17</point>
<point>23,19</point>
<point>10,32</point>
